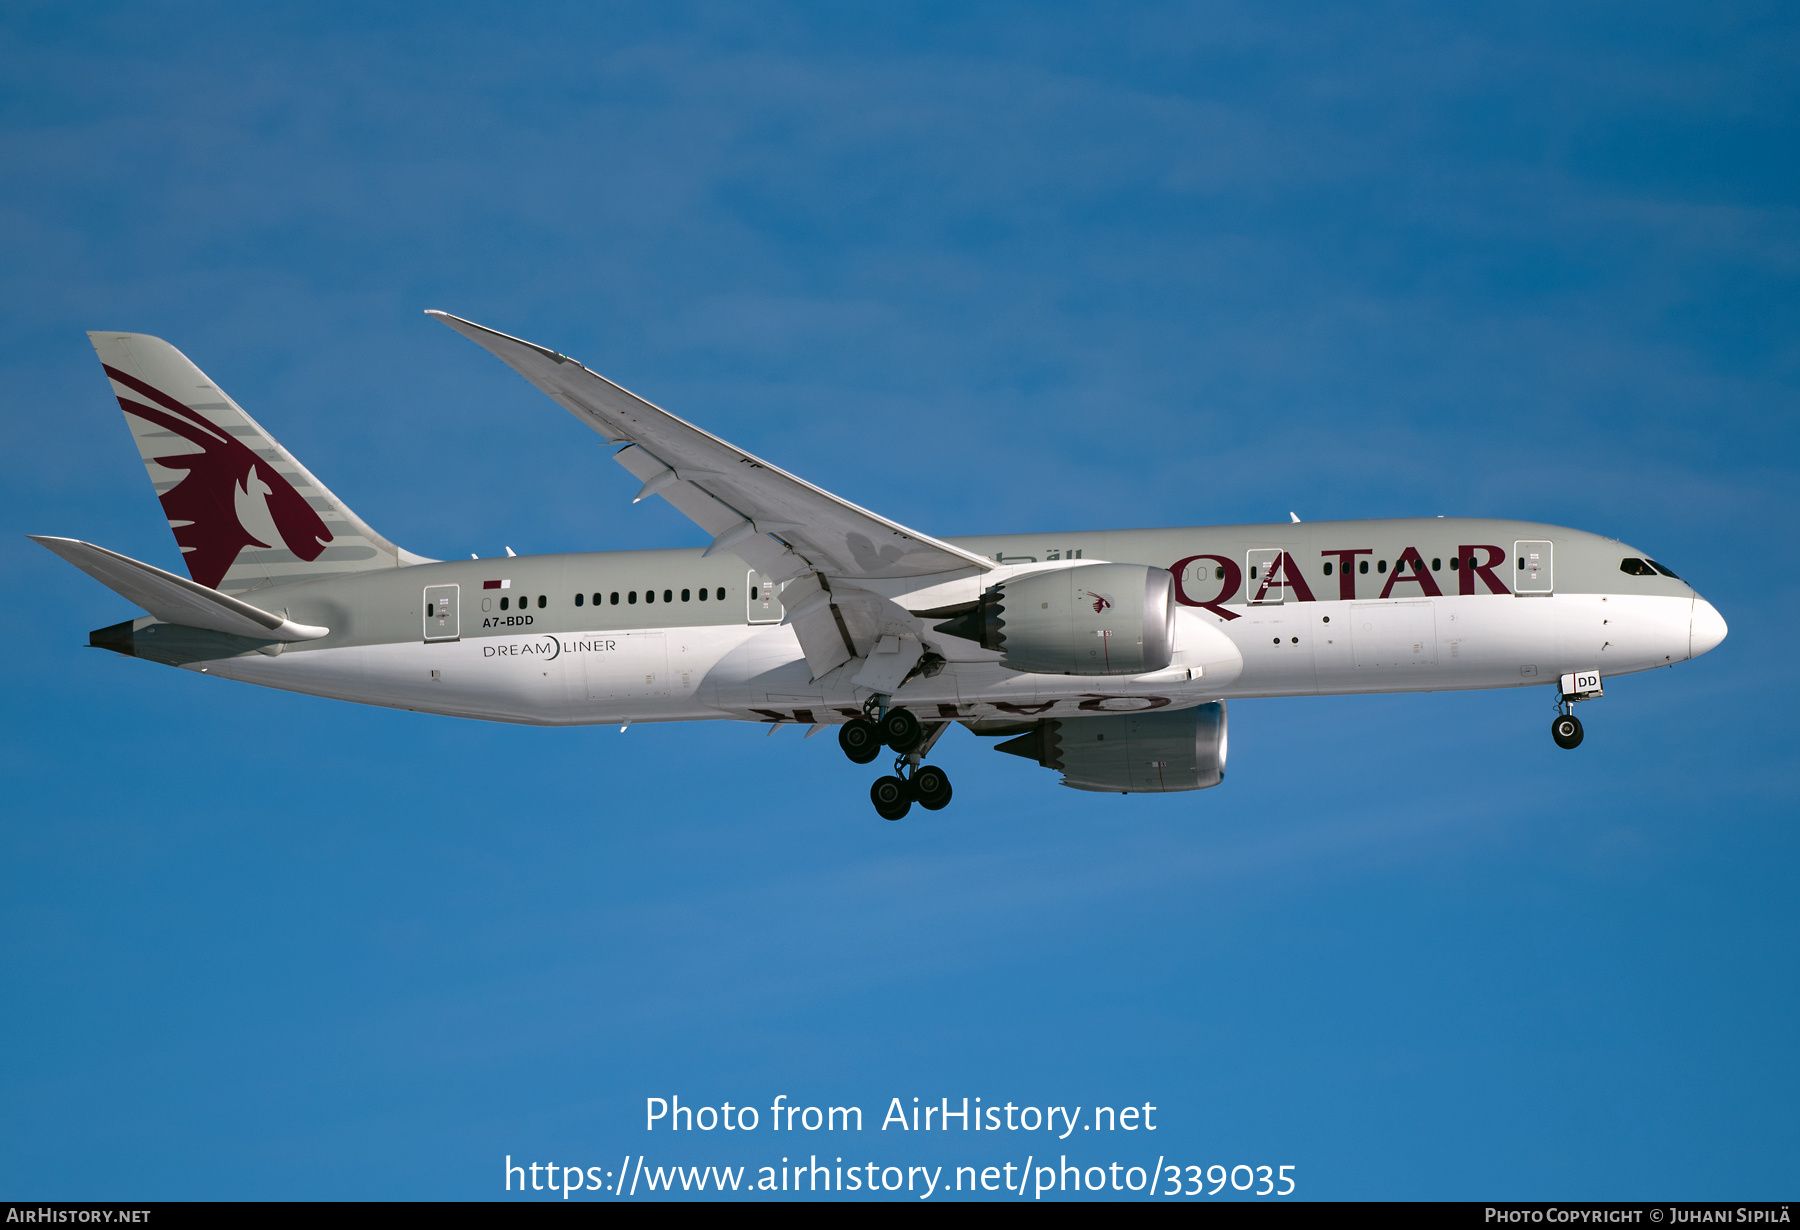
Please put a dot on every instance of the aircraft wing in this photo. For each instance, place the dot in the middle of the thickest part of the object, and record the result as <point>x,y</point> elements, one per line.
<point>744,494</point>
<point>781,525</point>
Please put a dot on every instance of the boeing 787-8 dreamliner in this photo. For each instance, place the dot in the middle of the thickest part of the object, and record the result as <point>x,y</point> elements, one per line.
<point>1106,655</point>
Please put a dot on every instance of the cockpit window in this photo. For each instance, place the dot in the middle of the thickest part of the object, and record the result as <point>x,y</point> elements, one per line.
<point>1662,570</point>
<point>1636,568</point>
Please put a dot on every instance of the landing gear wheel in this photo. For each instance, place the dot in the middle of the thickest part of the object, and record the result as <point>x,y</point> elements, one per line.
<point>860,740</point>
<point>901,730</point>
<point>1566,730</point>
<point>892,796</point>
<point>932,786</point>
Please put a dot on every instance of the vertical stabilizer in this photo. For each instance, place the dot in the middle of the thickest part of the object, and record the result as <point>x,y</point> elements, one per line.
<point>245,513</point>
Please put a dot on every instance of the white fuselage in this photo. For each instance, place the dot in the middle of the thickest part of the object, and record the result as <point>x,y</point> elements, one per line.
<point>757,672</point>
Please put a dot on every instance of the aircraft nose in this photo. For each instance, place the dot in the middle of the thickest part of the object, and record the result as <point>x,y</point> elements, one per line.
<point>1707,629</point>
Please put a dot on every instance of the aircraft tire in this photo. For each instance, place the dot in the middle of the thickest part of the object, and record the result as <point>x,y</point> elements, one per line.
<point>860,740</point>
<point>901,731</point>
<point>932,786</point>
<point>892,796</point>
<point>1566,730</point>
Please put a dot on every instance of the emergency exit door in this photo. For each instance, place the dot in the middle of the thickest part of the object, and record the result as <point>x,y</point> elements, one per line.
<point>1534,567</point>
<point>441,602</point>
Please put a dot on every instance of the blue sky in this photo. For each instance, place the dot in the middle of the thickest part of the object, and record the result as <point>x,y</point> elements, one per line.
<point>979,267</point>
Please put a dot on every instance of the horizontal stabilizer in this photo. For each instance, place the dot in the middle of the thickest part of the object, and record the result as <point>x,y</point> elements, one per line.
<point>177,600</point>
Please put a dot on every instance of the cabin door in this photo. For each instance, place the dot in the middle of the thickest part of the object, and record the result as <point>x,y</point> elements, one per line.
<point>1534,567</point>
<point>1261,589</point>
<point>441,616</point>
<point>762,601</point>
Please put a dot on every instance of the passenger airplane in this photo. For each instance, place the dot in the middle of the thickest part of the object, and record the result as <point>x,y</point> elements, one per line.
<point>1107,655</point>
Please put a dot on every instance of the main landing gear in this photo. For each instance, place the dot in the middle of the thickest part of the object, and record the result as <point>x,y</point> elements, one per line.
<point>860,740</point>
<point>911,782</point>
<point>926,785</point>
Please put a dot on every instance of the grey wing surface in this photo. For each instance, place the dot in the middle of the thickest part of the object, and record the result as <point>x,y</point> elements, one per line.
<point>744,494</point>
<point>779,524</point>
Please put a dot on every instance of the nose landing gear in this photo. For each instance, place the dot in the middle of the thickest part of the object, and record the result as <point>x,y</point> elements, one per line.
<point>1572,687</point>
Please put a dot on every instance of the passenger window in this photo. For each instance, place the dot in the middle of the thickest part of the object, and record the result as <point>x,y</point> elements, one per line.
<point>1362,566</point>
<point>1662,570</point>
<point>505,602</point>
<point>684,595</point>
<point>1327,569</point>
<point>1380,565</point>
<point>1437,565</point>
<point>1219,573</point>
<point>615,597</point>
<point>721,593</point>
<point>1636,568</point>
<point>1455,563</point>
<point>543,601</point>
<point>703,595</point>
<point>631,598</point>
<point>649,595</point>
<point>597,599</point>
<point>668,595</point>
<point>578,599</point>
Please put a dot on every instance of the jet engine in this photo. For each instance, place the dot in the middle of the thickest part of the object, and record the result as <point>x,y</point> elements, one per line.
<point>1155,752</point>
<point>1097,619</point>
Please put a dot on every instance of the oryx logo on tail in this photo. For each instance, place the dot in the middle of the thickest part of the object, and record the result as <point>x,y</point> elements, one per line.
<point>228,498</point>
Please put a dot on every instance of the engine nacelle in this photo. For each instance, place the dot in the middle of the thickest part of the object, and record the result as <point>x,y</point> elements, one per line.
<point>1155,752</point>
<point>1098,619</point>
